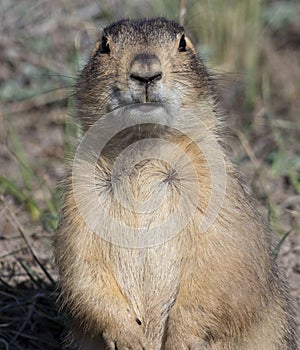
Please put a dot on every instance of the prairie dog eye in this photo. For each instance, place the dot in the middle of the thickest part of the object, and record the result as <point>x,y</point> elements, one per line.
<point>182,44</point>
<point>104,47</point>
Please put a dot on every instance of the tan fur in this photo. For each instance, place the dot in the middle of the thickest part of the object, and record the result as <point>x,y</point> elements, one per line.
<point>218,289</point>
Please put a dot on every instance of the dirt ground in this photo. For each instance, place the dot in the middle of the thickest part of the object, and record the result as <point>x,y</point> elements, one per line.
<point>37,72</point>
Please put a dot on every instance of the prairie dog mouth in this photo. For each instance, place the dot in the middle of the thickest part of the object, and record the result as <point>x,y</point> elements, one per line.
<point>145,108</point>
<point>151,112</point>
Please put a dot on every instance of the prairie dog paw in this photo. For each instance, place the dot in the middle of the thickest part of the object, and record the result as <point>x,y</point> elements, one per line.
<point>190,343</point>
<point>126,339</point>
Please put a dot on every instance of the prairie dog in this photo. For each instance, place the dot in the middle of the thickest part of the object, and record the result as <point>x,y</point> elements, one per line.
<point>175,256</point>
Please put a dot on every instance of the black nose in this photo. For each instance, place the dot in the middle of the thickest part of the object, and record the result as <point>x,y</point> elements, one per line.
<point>145,68</point>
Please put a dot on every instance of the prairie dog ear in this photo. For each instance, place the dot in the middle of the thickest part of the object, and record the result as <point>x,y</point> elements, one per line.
<point>189,44</point>
<point>96,48</point>
<point>102,46</point>
<point>184,43</point>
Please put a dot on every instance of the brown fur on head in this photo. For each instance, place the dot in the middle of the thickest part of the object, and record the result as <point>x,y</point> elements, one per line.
<point>107,82</point>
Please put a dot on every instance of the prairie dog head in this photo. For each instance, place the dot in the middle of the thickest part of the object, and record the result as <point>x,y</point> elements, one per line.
<point>144,61</point>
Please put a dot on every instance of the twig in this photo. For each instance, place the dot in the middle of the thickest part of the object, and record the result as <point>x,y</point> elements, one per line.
<point>182,12</point>
<point>26,321</point>
<point>247,148</point>
<point>12,252</point>
<point>34,102</point>
<point>14,220</point>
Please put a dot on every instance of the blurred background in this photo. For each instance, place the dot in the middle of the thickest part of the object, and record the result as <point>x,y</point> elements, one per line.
<point>252,49</point>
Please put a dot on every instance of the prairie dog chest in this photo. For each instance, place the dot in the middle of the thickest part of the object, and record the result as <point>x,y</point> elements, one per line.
<point>143,201</point>
<point>149,199</point>
<point>149,277</point>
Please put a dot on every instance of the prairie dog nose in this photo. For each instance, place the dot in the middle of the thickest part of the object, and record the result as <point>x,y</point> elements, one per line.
<point>145,68</point>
